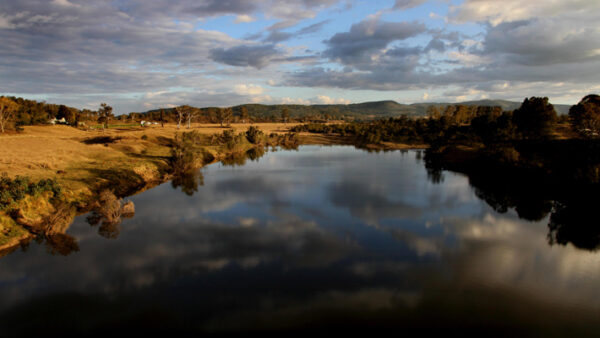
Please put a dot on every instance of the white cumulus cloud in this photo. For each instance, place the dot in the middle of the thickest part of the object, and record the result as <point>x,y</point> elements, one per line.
<point>248,89</point>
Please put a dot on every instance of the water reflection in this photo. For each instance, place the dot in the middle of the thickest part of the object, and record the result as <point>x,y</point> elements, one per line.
<point>319,238</point>
<point>575,221</point>
<point>571,208</point>
<point>109,211</point>
<point>188,181</point>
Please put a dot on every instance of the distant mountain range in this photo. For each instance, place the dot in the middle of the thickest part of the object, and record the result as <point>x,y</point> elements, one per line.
<point>376,109</point>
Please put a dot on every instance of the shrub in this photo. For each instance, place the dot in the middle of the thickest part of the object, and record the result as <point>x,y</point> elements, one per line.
<point>186,151</point>
<point>14,190</point>
<point>254,135</point>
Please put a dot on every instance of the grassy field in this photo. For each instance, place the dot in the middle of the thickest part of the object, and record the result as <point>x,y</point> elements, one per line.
<point>42,151</point>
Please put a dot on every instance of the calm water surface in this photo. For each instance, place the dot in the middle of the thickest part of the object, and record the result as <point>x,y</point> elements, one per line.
<point>323,237</point>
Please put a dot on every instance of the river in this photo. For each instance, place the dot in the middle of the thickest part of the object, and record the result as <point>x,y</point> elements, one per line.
<point>300,241</point>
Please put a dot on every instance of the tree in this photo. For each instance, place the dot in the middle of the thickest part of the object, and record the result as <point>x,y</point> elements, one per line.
<point>585,116</point>
<point>535,118</point>
<point>190,113</point>
<point>68,114</point>
<point>105,114</point>
<point>244,114</point>
<point>433,112</point>
<point>162,118</point>
<point>180,113</point>
<point>7,110</point>
<point>224,115</point>
<point>285,114</point>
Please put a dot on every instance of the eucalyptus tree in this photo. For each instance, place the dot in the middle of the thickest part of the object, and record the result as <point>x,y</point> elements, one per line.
<point>7,110</point>
<point>105,114</point>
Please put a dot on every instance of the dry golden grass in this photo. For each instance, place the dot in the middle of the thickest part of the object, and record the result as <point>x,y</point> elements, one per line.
<point>59,151</point>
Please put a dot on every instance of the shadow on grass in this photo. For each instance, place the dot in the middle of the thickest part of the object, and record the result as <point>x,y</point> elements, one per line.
<point>101,140</point>
<point>164,141</point>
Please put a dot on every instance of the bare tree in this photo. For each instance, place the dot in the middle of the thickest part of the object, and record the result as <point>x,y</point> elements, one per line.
<point>190,113</point>
<point>7,110</point>
<point>180,112</point>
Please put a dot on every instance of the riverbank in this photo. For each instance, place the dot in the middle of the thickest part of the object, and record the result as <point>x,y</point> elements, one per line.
<point>125,160</point>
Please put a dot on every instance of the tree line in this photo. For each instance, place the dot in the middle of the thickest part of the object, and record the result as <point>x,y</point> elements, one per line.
<point>16,112</point>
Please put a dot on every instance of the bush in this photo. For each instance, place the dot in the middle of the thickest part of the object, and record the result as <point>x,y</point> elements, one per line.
<point>14,190</point>
<point>254,135</point>
<point>186,151</point>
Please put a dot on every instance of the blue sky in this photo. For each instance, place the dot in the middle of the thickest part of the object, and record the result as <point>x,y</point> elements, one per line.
<point>143,54</point>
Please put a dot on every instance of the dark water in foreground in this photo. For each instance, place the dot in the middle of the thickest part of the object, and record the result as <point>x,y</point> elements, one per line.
<point>323,237</point>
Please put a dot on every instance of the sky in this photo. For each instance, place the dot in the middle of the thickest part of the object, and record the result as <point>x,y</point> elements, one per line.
<point>138,55</point>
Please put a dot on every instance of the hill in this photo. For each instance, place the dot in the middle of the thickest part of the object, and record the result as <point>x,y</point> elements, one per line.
<point>365,110</point>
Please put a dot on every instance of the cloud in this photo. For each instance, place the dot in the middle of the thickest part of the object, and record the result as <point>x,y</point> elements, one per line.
<point>294,100</point>
<point>407,4</point>
<point>276,35</point>
<point>96,50</point>
<point>249,89</point>
<point>257,56</point>
<point>543,42</point>
<point>328,100</point>
<point>515,10</point>
<point>244,18</point>
<point>313,28</point>
<point>65,3</point>
<point>364,39</point>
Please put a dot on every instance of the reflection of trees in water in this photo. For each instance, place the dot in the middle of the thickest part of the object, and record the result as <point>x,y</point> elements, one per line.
<point>240,158</point>
<point>572,208</point>
<point>575,222</point>
<point>527,197</point>
<point>109,212</point>
<point>49,229</point>
<point>61,244</point>
<point>433,165</point>
<point>255,153</point>
<point>188,181</point>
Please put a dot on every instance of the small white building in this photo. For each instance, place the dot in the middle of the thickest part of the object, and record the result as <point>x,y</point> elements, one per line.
<point>55,121</point>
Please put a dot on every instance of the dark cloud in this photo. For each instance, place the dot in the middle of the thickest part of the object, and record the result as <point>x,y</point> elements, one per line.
<point>542,42</point>
<point>437,45</point>
<point>257,56</point>
<point>368,37</point>
<point>276,36</point>
<point>313,28</point>
<point>407,4</point>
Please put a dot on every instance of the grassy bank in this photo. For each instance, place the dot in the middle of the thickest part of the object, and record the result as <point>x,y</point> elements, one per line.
<point>83,163</point>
